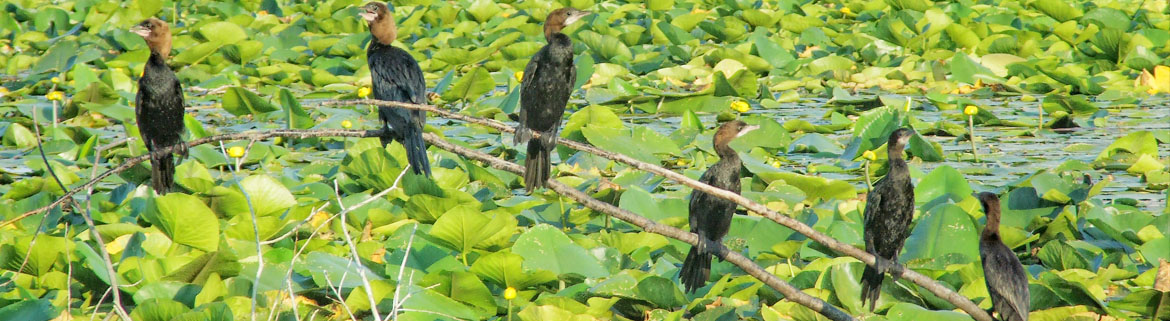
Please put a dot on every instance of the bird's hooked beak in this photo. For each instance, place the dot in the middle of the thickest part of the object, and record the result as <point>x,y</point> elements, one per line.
<point>368,14</point>
<point>747,129</point>
<point>576,15</point>
<point>140,30</point>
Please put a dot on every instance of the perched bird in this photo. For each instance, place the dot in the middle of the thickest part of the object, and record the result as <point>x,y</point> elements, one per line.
<point>1006,281</point>
<point>548,81</point>
<point>397,77</point>
<point>159,104</point>
<point>888,211</point>
<point>710,215</point>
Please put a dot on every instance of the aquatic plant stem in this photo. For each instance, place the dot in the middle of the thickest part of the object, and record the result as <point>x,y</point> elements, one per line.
<point>971,136</point>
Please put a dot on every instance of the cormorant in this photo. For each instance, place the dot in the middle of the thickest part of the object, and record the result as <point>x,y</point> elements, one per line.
<point>710,215</point>
<point>1006,281</point>
<point>548,80</point>
<point>888,211</point>
<point>396,77</point>
<point>159,104</point>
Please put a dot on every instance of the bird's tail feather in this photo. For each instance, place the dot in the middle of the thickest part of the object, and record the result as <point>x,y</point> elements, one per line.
<point>416,152</point>
<point>537,166</point>
<point>162,173</point>
<point>871,287</point>
<point>696,269</point>
<point>523,134</point>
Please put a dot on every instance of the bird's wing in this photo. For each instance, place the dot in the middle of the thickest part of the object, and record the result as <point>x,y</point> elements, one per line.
<point>530,71</point>
<point>873,201</point>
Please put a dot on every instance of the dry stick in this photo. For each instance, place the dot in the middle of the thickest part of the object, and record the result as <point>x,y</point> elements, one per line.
<point>743,262</point>
<point>926,282</point>
<point>922,280</point>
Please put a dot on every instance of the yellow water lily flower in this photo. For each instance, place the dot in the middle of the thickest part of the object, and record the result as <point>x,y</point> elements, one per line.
<point>363,92</point>
<point>55,95</point>
<point>236,151</point>
<point>740,106</point>
<point>346,124</point>
<point>519,76</point>
<point>869,155</point>
<point>509,293</point>
<point>846,11</point>
<point>55,80</point>
<point>970,110</point>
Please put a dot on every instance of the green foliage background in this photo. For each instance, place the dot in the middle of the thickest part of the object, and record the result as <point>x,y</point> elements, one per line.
<point>826,80</point>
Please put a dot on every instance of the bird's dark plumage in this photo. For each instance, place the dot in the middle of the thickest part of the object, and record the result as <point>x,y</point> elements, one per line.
<point>710,215</point>
<point>396,76</point>
<point>548,81</point>
<point>1006,281</point>
<point>159,104</point>
<point>888,211</point>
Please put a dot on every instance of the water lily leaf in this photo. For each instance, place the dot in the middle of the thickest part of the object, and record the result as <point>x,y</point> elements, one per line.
<point>296,116</point>
<point>1060,256</point>
<point>1131,146</point>
<point>944,181</point>
<point>173,214</point>
<point>1072,292</point>
<point>433,303</point>
<point>641,143</point>
<point>464,228</point>
<point>545,247</point>
<point>158,309</point>
<point>943,231</point>
<point>330,270</point>
<point>222,32</point>
<point>505,269</point>
<point>240,101</point>
<point>638,200</point>
<point>471,86</point>
<point>909,312</point>
<point>660,291</point>
<point>32,310</point>
<point>1060,10</point>
<point>268,196</point>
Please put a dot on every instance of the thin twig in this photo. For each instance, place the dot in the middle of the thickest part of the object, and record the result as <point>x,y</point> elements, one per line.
<point>743,262</point>
<point>917,278</point>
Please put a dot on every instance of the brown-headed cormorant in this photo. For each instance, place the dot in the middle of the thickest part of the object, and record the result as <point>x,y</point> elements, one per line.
<point>159,104</point>
<point>889,209</point>
<point>1006,281</point>
<point>548,80</point>
<point>396,77</point>
<point>710,215</point>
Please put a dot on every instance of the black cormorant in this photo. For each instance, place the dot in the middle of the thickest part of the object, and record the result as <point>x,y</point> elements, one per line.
<point>159,104</point>
<point>396,77</point>
<point>548,80</point>
<point>1006,281</point>
<point>889,209</point>
<point>710,215</point>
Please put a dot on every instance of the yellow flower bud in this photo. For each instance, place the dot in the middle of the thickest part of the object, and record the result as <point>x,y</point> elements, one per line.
<point>519,76</point>
<point>262,13</point>
<point>509,293</point>
<point>55,80</point>
<point>363,92</point>
<point>55,95</point>
<point>970,110</point>
<point>346,124</point>
<point>740,106</point>
<point>846,11</point>
<point>236,151</point>
<point>869,155</point>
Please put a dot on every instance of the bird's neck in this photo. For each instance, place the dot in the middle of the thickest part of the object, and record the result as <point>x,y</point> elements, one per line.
<point>726,153</point>
<point>161,48</point>
<point>991,230</point>
<point>384,30</point>
<point>157,59</point>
